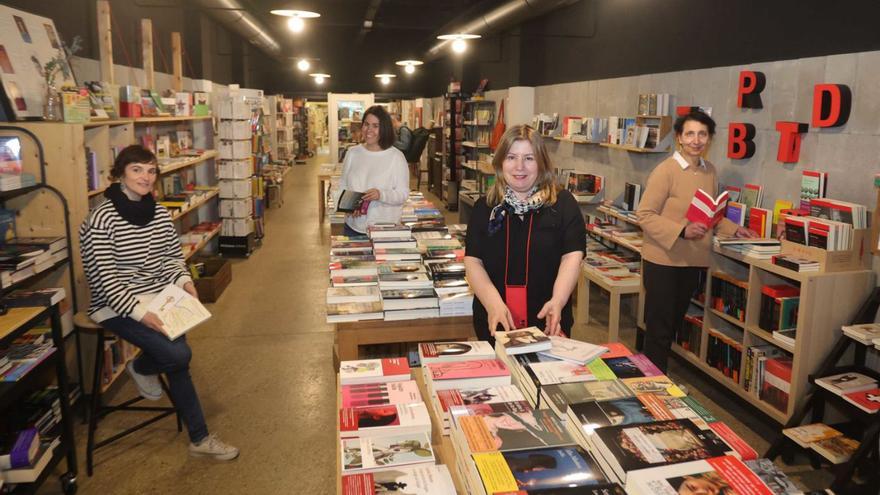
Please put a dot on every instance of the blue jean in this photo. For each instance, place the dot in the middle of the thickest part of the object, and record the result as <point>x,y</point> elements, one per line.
<point>350,232</point>
<point>170,357</point>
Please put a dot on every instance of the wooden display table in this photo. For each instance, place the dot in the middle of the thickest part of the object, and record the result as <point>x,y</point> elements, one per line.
<point>444,453</point>
<point>351,335</point>
<point>615,291</point>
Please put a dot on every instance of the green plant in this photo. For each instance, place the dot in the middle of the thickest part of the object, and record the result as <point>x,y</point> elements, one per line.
<point>59,62</point>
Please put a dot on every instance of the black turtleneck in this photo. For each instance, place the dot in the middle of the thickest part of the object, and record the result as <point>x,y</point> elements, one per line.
<point>137,213</point>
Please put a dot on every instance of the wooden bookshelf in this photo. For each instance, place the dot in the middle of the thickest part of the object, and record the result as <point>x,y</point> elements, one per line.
<point>201,245</point>
<point>119,370</point>
<point>632,149</point>
<point>612,213</point>
<point>15,318</point>
<point>108,122</point>
<point>827,301</point>
<point>569,140</point>
<point>194,206</point>
<point>162,120</point>
<point>207,155</point>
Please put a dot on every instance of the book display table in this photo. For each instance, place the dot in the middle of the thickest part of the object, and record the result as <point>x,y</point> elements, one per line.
<point>582,307</point>
<point>351,335</point>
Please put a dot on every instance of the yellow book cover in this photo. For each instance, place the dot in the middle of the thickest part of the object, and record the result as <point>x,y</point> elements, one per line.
<point>660,385</point>
<point>780,205</point>
<point>478,436</point>
<point>495,473</point>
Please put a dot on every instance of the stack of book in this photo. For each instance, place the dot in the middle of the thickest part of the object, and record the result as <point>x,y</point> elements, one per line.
<point>729,295</point>
<point>864,333</point>
<point>796,264</point>
<point>24,354</point>
<point>779,310</point>
<point>26,456</point>
<point>610,269</point>
<point>823,439</point>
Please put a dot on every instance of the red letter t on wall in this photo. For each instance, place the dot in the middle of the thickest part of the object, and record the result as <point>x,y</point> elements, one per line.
<point>790,140</point>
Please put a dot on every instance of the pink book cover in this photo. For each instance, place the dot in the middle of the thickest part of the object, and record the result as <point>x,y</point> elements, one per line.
<point>735,442</point>
<point>449,398</point>
<point>645,365</point>
<point>481,368</point>
<point>380,394</point>
<point>741,479</point>
<point>352,419</point>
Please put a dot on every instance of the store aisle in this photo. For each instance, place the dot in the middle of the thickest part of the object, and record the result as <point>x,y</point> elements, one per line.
<point>263,368</point>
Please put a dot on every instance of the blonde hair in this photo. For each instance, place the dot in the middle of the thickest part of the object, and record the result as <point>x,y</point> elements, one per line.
<point>546,180</point>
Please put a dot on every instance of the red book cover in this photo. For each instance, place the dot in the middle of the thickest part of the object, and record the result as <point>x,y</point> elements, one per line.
<point>867,399</point>
<point>350,419</point>
<point>705,209</point>
<point>449,398</point>
<point>480,368</point>
<point>742,479</point>
<point>760,221</point>
<point>781,290</point>
<point>736,442</point>
<point>615,349</point>
<point>380,394</point>
<point>358,484</point>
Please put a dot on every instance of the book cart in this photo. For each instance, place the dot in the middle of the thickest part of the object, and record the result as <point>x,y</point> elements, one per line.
<point>31,202</point>
<point>828,299</point>
<point>860,425</point>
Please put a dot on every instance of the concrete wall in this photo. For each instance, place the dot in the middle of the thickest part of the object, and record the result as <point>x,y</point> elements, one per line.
<point>849,153</point>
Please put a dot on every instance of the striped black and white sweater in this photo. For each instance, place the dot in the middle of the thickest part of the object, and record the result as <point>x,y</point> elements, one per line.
<point>123,260</point>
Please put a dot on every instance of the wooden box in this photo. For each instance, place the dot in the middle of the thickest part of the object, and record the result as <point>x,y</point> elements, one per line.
<point>858,258</point>
<point>218,274</point>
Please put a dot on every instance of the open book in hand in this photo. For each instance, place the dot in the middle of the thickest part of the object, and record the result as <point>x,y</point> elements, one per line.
<point>349,201</point>
<point>178,310</point>
<point>705,209</point>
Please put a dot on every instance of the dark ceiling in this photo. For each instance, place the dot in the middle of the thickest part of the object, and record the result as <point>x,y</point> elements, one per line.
<point>343,47</point>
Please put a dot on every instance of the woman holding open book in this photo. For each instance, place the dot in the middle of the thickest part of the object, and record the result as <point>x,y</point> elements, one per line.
<point>378,170</point>
<point>675,250</point>
<point>526,239</point>
<point>131,251</point>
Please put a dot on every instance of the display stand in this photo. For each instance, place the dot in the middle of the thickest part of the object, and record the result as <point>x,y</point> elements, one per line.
<point>614,292</point>
<point>351,335</point>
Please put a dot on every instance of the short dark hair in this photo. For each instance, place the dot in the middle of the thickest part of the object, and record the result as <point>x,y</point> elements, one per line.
<point>131,154</point>
<point>695,115</point>
<point>386,130</point>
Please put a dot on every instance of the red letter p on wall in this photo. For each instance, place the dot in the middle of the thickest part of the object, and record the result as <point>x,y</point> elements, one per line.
<point>831,105</point>
<point>740,142</point>
<point>751,83</point>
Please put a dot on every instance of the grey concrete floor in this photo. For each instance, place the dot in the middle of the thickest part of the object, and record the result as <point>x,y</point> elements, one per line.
<point>263,369</point>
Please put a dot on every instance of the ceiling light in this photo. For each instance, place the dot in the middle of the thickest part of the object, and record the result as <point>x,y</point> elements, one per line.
<point>458,40</point>
<point>303,65</point>
<point>409,66</point>
<point>296,23</point>
<point>385,78</point>
<point>319,77</point>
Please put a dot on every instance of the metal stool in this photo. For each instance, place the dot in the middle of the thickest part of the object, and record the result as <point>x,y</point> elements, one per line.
<point>97,410</point>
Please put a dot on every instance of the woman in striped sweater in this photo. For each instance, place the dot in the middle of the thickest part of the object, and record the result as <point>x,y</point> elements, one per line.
<point>130,248</point>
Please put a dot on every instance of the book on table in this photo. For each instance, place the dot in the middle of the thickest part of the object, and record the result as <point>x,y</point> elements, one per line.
<point>394,419</point>
<point>752,194</point>
<point>513,431</point>
<point>760,221</point>
<point>396,299</point>
<point>543,470</point>
<point>476,397</point>
<point>705,209</point>
<point>723,474</point>
<point>438,352</point>
<point>349,312</point>
<point>804,435</point>
<point>866,400</point>
<point>408,480</point>
<point>373,371</point>
<point>351,278</point>
<point>552,372</point>
<point>349,201</point>
<point>179,311</point>
<point>366,455</point>
<point>736,213</point>
<point>380,394</point>
<point>572,350</point>
<point>633,366</point>
<point>630,447</point>
<point>560,396</point>
<point>812,187</point>
<point>523,341</point>
<point>353,294</point>
<point>478,373</point>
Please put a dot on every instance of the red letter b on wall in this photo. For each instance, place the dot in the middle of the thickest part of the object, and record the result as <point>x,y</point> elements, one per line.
<point>740,142</point>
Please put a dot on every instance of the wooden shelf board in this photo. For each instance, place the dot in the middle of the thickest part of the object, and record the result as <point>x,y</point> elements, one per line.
<point>632,149</point>
<point>768,336</point>
<point>735,387</point>
<point>15,318</point>
<point>472,144</point>
<point>197,205</point>
<point>569,140</point>
<point>159,120</point>
<point>119,371</point>
<point>766,265</point>
<point>728,318</point>
<point>609,211</point>
<point>108,122</point>
<point>207,155</point>
<point>202,244</point>
<point>619,242</point>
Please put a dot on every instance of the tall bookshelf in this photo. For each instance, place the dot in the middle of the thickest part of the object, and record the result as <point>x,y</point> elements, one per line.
<point>453,151</point>
<point>280,120</point>
<point>827,301</point>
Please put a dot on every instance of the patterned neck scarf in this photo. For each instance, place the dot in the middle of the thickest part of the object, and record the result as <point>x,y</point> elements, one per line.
<point>511,204</point>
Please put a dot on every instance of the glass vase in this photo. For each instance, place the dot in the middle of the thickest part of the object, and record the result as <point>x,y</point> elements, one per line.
<point>52,105</point>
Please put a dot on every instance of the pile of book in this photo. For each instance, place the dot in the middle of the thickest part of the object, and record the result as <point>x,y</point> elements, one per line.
<point>729,295</point>
<point>864,333</point>
<point>829,226</point>
<point>856,388</point>
<point>823,439</point>
<point>584,186</point>
<point>397,274</point>
<point>795,263</point>
<point>198,235</point>
<point>779,311</point>
<point>25,353</point>
<point>620,234</point>
<point>385,431</point>
<point>24,455</point>
<point>611,268</point>
<point>758,248</point>
<point>724,351</point>
<point>24,257</point>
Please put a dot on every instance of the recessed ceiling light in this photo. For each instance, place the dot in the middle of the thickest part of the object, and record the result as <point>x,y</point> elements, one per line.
<point>409,66</point>
<point>319,77</point>
<point>303,65</point>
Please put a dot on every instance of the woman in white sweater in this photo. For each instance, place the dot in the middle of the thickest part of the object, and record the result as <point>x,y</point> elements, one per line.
<point>377,169</point>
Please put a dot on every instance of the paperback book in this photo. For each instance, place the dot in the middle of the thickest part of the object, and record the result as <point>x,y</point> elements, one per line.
<point>366,455</point>
<point>705,209</point>
<point>845,383</point>
<point>380,394</point>
<point>476,373</point>
<point>413,480</point>
<point>179,311</point>
<point>574,351</point>
<point>718,475</point>
<point>541,471</point>
<point>372,421</point>
<point>523,341</point>
<point>513,431</point>
<point>438,352</point>
<point>374,371</point>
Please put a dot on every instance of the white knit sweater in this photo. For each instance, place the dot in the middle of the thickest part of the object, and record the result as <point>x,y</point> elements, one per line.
<point>384,170</point>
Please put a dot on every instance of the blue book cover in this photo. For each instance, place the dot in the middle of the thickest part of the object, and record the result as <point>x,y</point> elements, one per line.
<point>553,468</point>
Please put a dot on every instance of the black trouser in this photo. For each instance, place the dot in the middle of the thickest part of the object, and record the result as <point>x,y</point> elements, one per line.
<point>668,291</point>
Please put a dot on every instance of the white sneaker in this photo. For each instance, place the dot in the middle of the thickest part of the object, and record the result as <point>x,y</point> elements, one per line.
<point>212,446</point>
<point>148,385</point>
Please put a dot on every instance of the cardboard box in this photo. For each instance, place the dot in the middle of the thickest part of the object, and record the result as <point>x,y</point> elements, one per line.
<point>235,188</point>
<point>237,227</point>
<point>235,169</point>
<point>235,129</point>
<point>218,275</point>
<point>235,150</point>
<point>236,208</point>
<point>234,109</point>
